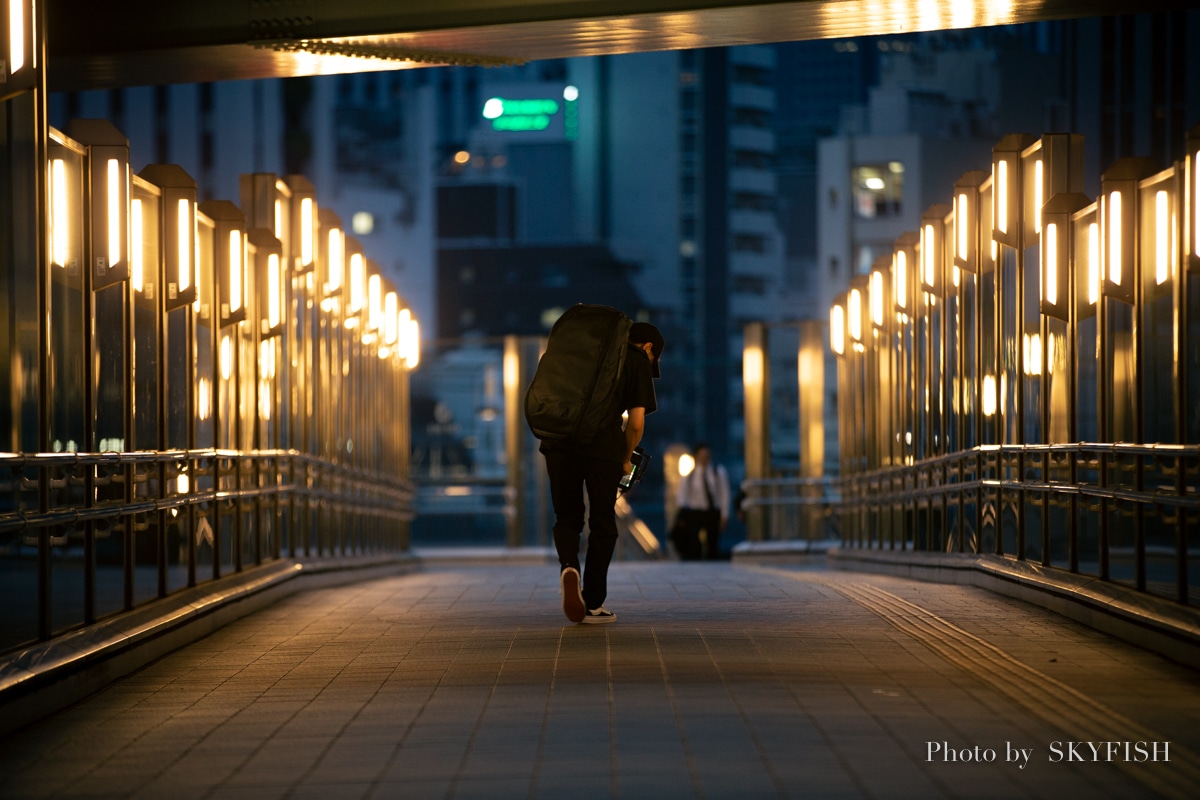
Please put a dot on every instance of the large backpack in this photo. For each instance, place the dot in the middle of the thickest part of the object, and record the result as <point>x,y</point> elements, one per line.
<point>574,390</point>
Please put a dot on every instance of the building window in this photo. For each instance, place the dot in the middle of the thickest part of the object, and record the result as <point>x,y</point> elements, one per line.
<point>749,284</point>
<point>878,189</point>
<point>751,117</point>
<point>752,159</point>
<point>749,243</point>
<point>753,201</point>
<point>755,76</point>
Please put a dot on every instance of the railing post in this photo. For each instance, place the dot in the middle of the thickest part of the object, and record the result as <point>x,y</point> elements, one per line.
<point>756,379</point>
<point>515,380</point>
<point>810,374</point>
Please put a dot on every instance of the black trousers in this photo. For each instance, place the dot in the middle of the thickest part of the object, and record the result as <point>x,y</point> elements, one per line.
<point>693,521</point>
<point>570,476</point>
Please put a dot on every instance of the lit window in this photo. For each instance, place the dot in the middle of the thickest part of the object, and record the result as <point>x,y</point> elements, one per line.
<point>877,189</point>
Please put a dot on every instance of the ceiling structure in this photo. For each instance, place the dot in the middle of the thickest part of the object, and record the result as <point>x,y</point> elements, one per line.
<point>109,43</point>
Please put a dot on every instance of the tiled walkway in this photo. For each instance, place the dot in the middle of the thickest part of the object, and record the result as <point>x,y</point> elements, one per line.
<point>716,682</point>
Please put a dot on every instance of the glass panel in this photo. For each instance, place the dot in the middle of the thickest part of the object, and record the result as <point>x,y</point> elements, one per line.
<point>1123,364</point>
<point>110,384</point>
<point>1033,349</point>
<point>458,412</point>
<point>969,382</point>
<point>20,363</point>
<point>207,533</point>
<point>1056,377</point>
<point>146,387</point>
<point>1010,346</point>
<point>1157,324</point>
<point>67,390</point>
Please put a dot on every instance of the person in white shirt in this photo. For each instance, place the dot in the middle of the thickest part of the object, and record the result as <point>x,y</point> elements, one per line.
<point>703,502</point>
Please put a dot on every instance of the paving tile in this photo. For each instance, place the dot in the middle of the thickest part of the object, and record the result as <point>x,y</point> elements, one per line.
<point>717,681</point>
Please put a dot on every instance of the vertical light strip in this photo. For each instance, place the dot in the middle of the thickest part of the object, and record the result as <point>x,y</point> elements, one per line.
<point>184,234</point>
<point>1115,267</point>
<point>877,297</point>
<point>136,254</point>
<point>274,292</point>
<point>960,218</point>
<point>374,301</point>
<point>1038,193</point>
<point>902,279</point>
<point>929,255</point>
<point>357,282</point>
<point>16,35</point>
<point>1093,263</point>
<point>306,232</point>
<point>226,357</point>
<point>854,314</point>
<point>114,212</point>
<point>1162,241</point>
<point>60,233</point>
<point>278,219</point>
<point>1196,203</point>
<point>1051,266</point>
<point>412,354</point>
<point>837,329</point>
<point>391,312</point>
<point>337,260</point>
<point>235,270</point>
<point>1002,195</point>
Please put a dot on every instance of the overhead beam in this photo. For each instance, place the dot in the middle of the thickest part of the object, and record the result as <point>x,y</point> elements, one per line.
<point>109,43</point>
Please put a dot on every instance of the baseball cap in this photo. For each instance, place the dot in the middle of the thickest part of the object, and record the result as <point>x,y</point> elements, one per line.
<point>642,332</point>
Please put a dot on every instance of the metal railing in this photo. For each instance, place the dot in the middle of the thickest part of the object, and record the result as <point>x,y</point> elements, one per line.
<point>1122,512</point>
<point>111,530</point>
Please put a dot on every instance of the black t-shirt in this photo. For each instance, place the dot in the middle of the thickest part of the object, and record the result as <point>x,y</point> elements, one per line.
<point>637,391</point>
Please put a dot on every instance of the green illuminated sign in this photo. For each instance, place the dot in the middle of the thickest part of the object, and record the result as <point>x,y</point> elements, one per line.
<point>520,115</point>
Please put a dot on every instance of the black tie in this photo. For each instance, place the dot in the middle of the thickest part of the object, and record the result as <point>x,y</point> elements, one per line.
<point>707,490</point>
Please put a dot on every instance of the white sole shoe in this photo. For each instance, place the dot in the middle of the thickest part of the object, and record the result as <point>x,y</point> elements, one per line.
<point>599,616</point>
<point>572,595</point>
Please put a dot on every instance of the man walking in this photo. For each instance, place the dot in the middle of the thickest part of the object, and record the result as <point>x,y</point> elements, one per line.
<point>703,502</point>
<point>596,466</point>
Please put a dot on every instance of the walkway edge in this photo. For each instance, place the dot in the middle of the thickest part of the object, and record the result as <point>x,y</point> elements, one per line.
<point>46,677</point>
<point>1162,626</point>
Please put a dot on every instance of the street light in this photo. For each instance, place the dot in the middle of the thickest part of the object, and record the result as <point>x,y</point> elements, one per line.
<point>1006,188</point>
<point>64,181</point>
<point>358,289</point>
<point>1191,210</point>
<point>270,280</point>
<point>19,71</point>
<point>229,257</point>
<point>837,326</point>
<point>967,209</point>
<point>1119,201</point>
<point>305,223</point>
<point>904,261</point>
<point>334,246</point>
<point>178,234</point>
<point>1058,252</point>
<point>108,184</point>
<point>410,339</point>
<point>933,233</point>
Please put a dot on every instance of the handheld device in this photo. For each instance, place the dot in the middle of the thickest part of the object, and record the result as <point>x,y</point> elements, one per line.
<point>639,459</point>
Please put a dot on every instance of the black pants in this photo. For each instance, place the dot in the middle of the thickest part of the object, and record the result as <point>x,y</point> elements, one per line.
<point>570,475</point>
<point>694,520</point>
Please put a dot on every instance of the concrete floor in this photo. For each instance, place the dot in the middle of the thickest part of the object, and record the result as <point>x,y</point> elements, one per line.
<point>716,681</point>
